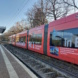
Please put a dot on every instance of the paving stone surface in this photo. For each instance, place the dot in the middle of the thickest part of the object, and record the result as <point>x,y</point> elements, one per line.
<point>19,70</point>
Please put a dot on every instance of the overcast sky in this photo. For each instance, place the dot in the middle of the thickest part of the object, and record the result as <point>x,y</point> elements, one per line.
<point>12,11</point>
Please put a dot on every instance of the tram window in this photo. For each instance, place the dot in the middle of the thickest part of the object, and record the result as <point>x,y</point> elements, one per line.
<point>22,39</point>
<point>31,39</point>
<point>57,38</point>
<point>10,39</point>
<point>72,30</point>
<point>72,38</point>
<point>36,39</point>
<point>65,38</point>
<point>68,39</point>
<point>13,39</point>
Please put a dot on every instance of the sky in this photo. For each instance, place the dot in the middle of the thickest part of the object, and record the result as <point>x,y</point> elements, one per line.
<point>12,11</point>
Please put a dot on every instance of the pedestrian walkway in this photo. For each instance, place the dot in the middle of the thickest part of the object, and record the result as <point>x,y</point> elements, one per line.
<point>11,67</point>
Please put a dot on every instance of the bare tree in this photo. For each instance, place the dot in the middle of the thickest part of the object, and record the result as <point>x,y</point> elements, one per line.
<point>57,9</point>
<point>53,9</point>
<point>30,17</point>
<point>72,3</point>
<point>37,15</point>
<point>24,24</point>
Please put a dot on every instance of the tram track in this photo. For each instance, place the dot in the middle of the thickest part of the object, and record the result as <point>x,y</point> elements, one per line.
<point>69,70</point>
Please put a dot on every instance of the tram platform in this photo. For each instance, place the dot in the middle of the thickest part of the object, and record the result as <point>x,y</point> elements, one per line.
<point>11,67</point>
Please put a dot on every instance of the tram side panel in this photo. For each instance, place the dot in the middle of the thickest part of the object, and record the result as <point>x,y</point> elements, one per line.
<point>63,39</point>
<point>13,40</point>
<point>21,40</point>
<point>10,39</point>
<point>36,39</point>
